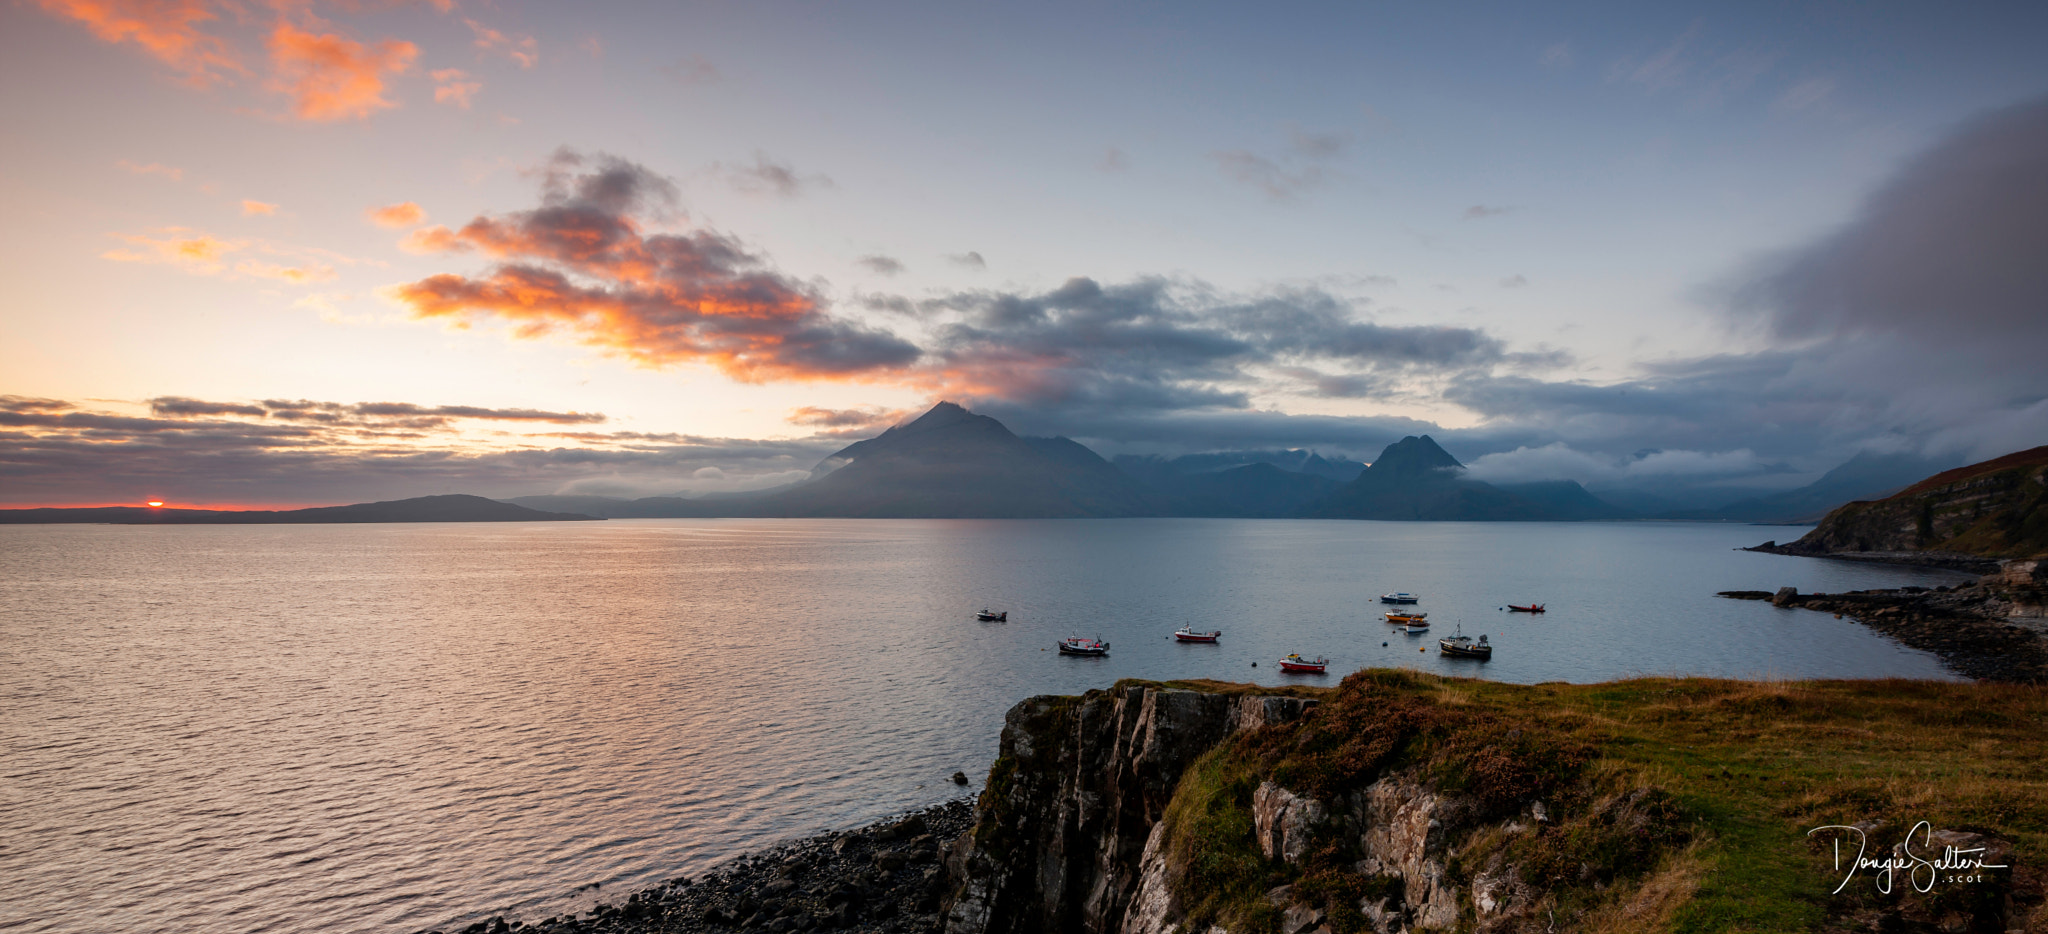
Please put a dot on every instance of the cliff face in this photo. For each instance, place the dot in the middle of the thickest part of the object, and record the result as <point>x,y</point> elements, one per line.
<point>1995,509</point>
<point>1060,842</point>
<point>1401,802</point>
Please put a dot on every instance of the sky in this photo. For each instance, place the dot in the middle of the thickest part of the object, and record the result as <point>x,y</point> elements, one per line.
<point>299,252</point>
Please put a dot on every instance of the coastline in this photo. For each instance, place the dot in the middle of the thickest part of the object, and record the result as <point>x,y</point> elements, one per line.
<point>1976,628</point>
<point>884,878</point>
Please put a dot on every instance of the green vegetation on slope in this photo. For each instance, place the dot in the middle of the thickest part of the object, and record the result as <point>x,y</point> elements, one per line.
<point>1675,804</point>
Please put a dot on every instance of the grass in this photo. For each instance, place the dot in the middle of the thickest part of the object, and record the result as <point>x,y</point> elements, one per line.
<point>1689,799</point>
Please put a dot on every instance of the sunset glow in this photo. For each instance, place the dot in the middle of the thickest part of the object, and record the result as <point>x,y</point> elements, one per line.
<point>1552,243</point>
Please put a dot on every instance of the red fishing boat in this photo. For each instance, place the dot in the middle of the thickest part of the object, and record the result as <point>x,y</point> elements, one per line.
<point>1312,666</point>
<point>1531,608</point>
<point>1186,634</point>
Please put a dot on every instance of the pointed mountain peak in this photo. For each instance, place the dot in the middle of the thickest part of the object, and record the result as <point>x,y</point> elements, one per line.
<point>1412,456</point>
<point>941,415</point>
<point>943,420</point>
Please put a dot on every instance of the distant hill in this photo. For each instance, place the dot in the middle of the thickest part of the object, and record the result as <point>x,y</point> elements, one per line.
<point>612,507</point>
<point>448,508</point>
<point>1416,479</point>
<point>1255,491</point>
<point>1866,476</point>
<point>1994,509</point>
<point>952,463</point>
<point>1155,469</point>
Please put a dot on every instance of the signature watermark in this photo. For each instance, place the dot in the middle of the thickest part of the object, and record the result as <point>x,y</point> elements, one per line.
<point>1923,870</point>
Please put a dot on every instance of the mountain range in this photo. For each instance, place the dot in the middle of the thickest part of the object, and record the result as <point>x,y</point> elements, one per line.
<point>952,463</point>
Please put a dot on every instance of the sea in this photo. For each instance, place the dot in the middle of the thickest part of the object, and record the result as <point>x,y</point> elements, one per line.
<point>412,727</point>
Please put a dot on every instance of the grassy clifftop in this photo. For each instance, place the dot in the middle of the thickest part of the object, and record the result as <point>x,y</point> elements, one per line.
<point>1995,509</point>
<point>1651,804</point>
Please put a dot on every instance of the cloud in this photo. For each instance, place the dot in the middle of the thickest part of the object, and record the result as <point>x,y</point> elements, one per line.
<point>1161,345</point>
<point>152,169</point>
<point>168,30</point>
<point>522,49</point>
<point>452,86</point>
<point>1515,281</point>
<point>299,452</point>
<point>296,275</point>
<point>881,265</point>
<point>847,423</point>
<point>1479,212</point>
<point>969,260</point>
<point>257,208</point>
<point>1955,246</point>
<point>1278,182</point>
<point>1558,55</point>
<point>766,176</point>
<point>1318,145</point>
<point>693,71</point>
<point>1805,94</point>
<point>1661,70</point>
<point>187,249</point>
<point>584,265</point>
<point>1559,461</point>
<point>204,254</point>
<point>331,78</point>
<point>402,214</point>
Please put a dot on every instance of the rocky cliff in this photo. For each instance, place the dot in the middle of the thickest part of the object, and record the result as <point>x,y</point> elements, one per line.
<point>1994,509</point>
<point>1401,802</point>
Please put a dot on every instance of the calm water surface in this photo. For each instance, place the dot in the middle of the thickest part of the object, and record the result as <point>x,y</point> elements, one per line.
<point>395,727</point>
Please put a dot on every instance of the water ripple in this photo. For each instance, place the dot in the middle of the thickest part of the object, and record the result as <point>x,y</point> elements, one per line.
<point>398,727</point>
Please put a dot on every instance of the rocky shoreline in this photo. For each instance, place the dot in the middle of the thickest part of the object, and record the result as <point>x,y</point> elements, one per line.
<point>885,878</point>
<point>1989,629</point>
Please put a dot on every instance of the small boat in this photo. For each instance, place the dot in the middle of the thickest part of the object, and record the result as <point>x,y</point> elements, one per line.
<point>1404,617</point>
<point>1186,634</point>
<point>1313,666</point>
<point>1399,598</point>
<point>1531,608</point>
<point>990,616</point>
<point>1419,625</point>
<point>1462,646</point>
<point>1080,646</point>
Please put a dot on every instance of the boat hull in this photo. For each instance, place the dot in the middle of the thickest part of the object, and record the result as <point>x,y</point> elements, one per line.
<point>1088,649</point>
<point>1303,669</point>
<point>1531,608</point>
<point>1207,638</point>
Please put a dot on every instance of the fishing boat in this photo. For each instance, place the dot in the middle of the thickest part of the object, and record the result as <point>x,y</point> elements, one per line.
<point>1399,598</point>
<point>1531,608</point>
<point>1313,666</point>
<point>1080,646</point>
<point>1185,634</point>
<point>1462,646</point>
<point>1404,617</point>
<point>990,616</point>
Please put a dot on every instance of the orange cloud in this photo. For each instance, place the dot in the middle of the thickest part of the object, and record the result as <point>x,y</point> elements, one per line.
<point>296,275</point>
<point>152,169</point>
<point>580,265</point>
<point>525,50</point>
<point>190,250</point>
<point>255,208</point>
<point>402,214</point>
<point>168,30</point>
<point>331,78</point>
<point>451,87</point>
<point>435,239</point>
